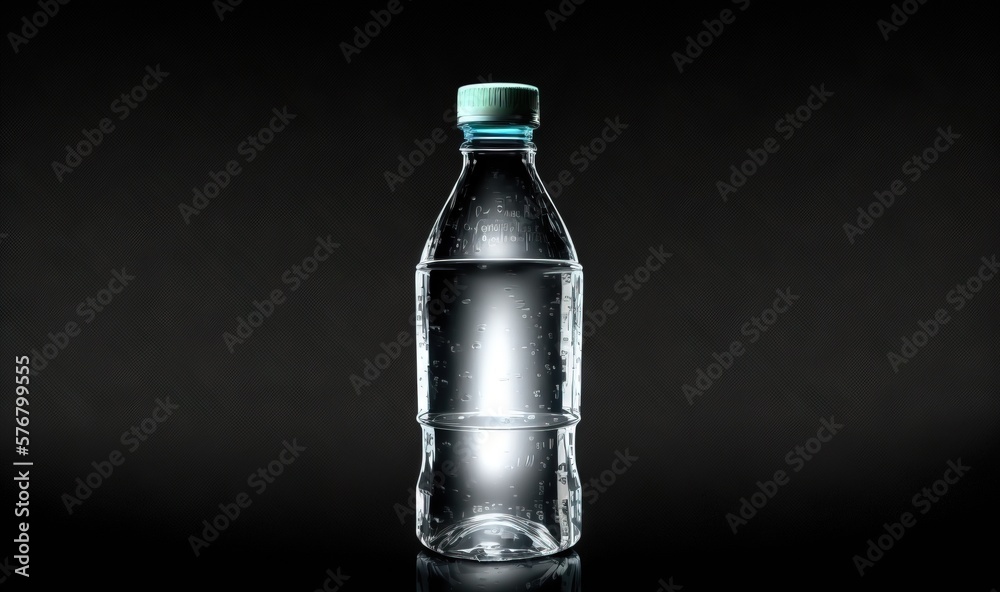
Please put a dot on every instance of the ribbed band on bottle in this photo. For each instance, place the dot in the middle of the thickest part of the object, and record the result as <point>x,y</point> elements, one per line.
<point>498,102</point>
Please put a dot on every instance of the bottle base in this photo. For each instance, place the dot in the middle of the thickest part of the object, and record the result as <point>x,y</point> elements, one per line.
<point>495,537</point>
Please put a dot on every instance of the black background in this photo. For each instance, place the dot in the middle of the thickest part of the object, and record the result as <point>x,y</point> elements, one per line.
<point>336,506</point>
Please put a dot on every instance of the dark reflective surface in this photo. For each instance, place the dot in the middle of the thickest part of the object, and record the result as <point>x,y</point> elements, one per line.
<point>556,573</point>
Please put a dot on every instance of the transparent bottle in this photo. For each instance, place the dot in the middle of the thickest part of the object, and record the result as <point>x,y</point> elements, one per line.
<point>499,299</point>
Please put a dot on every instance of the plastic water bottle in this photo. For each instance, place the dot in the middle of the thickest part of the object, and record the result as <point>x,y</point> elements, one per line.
<point>499,299</point>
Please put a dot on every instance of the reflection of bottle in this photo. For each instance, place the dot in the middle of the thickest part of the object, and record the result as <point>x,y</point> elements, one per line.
<point>499,301</point>
<point>555,573</point>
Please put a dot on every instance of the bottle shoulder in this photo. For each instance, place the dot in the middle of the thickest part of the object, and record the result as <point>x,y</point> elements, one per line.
<point>499,209</point>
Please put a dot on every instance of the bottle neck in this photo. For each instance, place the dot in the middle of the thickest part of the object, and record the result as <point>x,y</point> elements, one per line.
<point>487,137</point>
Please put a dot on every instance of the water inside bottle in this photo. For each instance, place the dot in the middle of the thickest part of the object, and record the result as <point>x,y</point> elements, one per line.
<point>498,348</point>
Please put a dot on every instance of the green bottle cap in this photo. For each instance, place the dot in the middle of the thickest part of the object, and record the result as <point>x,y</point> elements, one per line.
<point>500,102</point>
